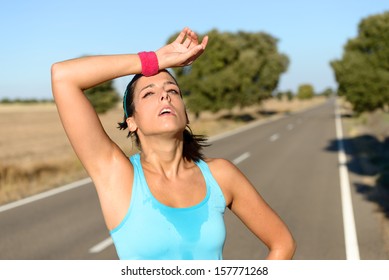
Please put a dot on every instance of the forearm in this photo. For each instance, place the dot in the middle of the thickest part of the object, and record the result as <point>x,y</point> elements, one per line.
<point>86,72</point>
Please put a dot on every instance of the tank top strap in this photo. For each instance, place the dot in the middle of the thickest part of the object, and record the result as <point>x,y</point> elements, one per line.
<point>139,178</point>
<point>135,160</point>
<point>140,189</point>
<point>206,173</point>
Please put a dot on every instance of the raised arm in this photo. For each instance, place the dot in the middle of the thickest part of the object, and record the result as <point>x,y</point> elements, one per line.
<point>81,123</point>
<point>70,78</point>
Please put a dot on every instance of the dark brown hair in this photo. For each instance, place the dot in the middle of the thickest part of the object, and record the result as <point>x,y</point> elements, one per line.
<point>193,144</point>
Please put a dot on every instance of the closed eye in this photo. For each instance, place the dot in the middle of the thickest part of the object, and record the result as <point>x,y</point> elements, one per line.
<point>147,94</point>
<point>173,91</point>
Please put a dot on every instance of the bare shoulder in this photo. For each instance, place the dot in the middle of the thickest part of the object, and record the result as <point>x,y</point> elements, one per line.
<point>222,167</point>
<point>218,162</point>
<point>226,174</point>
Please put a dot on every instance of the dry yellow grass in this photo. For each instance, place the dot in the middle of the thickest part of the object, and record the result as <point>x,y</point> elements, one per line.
<point>35,154</point>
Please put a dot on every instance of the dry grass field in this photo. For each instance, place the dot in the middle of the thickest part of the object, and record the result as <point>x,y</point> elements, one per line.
<point>35,154</point>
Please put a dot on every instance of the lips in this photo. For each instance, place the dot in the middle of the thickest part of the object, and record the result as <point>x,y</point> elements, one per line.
<point>166,111</point>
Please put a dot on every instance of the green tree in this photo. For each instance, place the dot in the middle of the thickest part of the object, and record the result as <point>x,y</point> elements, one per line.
<point>305,91</point>
<point>290,95</point>
<point>6,100</point>
<point>328,92</point>
<point>237,69</point>
<point>103,97</point>
<point>280,95</point>
<point>363,72</point>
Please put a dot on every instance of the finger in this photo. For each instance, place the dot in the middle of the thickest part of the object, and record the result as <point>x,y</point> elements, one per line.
<point>193,37</point>
<point>188,41</point>
<point>200,52</point>
<point>182,35</point>
<point>204,42</point>
<point>194,53</point>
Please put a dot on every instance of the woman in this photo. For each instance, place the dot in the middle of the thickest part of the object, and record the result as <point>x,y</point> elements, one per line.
<point>167,202</point>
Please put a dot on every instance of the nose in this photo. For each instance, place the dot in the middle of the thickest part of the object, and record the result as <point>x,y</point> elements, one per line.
<point>165,96</point>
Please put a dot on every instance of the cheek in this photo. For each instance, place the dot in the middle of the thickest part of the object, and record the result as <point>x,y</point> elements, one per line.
<point>181,108</point>
<point>142,114</point>
<point>179,103</point>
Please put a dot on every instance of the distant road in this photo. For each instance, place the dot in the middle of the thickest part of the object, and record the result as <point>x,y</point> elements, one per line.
<point>289,160</point>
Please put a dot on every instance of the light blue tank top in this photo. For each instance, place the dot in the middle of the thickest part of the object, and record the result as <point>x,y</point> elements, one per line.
<point>154,231</point>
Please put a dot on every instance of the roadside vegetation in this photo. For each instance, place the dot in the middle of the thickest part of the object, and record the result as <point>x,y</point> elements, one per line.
<point>363,79</point>
<point>363,84</point>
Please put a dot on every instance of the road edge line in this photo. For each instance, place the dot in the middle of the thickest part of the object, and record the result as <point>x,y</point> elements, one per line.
<point>350,233</point>
<point>101,246</point>
<point>45,194</point>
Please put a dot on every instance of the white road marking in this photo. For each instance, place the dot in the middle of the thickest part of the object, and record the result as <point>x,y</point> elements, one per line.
<point>274,137</point>
<point>45,194</point>
<point>241,158</point>
<point>350,233</point>
<point>101,246</point>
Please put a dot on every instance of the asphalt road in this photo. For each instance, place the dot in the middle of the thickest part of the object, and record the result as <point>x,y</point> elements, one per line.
<point>290,160</point>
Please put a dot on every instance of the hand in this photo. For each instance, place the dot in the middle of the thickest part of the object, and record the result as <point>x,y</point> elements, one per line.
<point>183,51</point>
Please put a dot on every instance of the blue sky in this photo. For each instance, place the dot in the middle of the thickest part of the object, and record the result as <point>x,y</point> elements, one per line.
<point>35,34</point>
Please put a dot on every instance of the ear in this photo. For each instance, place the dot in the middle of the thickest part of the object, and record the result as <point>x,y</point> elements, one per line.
<point>131,124</point>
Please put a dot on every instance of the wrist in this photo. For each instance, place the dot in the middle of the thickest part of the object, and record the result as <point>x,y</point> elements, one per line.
<point>149,63</point>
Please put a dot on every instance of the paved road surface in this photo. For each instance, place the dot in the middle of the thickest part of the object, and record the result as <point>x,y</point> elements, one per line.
<point>291,161</point>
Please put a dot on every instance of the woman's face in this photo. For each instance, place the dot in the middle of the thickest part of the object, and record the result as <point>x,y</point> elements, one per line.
<point>159,108</point>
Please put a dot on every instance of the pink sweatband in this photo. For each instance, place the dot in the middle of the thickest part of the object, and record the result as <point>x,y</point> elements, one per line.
<point>149,63</point>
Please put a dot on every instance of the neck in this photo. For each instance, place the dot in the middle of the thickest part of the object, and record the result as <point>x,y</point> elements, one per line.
<point>162,155</point>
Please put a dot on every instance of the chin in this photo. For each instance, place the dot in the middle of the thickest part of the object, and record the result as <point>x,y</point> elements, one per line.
<point>172,131</point>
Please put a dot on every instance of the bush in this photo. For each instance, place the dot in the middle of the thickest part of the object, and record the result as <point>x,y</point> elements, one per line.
<point>305,92</point>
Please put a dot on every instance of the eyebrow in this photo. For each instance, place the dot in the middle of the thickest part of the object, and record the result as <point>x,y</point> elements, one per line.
<point>164,84</point>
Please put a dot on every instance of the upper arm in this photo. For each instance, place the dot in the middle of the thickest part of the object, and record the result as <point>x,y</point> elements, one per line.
<point>246,202</point>
<point>81,123</point>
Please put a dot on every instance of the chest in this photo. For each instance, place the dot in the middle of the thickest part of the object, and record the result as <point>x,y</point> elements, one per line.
<point>182,191</point>
<point>154,231</point>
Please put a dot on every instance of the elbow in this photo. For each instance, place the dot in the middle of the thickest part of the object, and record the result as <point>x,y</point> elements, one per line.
<point>289,248</point>
<point>56,71</point>
<point>283,251</point>
<point>292,248</point>
<point>54,75</point>
<point>58,76</point>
